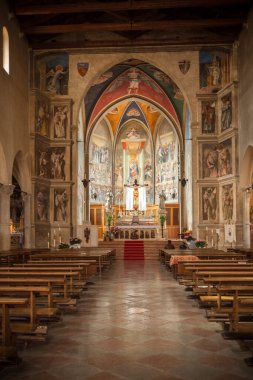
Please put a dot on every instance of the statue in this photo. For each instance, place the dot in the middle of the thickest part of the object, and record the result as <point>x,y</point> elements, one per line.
<point>162,198</point>
<point>108,201</point>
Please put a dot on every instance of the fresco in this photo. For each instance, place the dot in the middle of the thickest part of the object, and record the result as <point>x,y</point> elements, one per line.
<point>208,116</point>
<point>226,112</point>
<point>134,77</point>
<point>60,121</point>
<point>216,159</point>
<point>61,202</point>
<point>42,203</point>
<point>214,70</point>
<point>52,73</point>
<point>50,162</point>
<point>166,157</point>
<point>227,202</point>
<point>133,159</point>
<point>42,116</point>
<point>100,163</point>
<point>209,204</point>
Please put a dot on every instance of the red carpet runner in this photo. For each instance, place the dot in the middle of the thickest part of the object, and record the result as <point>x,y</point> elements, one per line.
<point>134,250</point>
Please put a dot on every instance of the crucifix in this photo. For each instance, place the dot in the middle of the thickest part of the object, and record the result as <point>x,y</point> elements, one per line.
<point>136,196</point>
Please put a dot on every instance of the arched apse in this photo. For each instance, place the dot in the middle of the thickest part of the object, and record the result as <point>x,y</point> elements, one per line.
<point>133,81</point>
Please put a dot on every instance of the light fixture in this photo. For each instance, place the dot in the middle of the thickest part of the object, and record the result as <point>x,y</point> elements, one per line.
<point>183,181</point>
<point>85,181</point>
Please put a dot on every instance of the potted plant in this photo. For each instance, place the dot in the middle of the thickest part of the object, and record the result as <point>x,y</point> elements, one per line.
<point>75,242</point>
<point>162,222</point>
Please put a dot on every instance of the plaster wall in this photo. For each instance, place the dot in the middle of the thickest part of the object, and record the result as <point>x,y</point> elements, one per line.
<point>245,70</point>
<point>14,130</point>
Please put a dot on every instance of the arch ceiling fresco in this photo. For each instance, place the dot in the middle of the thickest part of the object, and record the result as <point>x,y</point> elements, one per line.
<point>134,79</point>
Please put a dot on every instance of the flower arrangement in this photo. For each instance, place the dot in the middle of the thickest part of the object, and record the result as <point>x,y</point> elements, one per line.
<point>75,241</point>
<point>201,244</point>
<point>63,246</point>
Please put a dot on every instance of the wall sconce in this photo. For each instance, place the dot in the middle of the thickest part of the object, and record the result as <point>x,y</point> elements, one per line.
<point>85,181</point>
<point>183,181</point>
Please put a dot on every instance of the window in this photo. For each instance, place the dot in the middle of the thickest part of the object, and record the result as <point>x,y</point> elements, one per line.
<point>6,63</point>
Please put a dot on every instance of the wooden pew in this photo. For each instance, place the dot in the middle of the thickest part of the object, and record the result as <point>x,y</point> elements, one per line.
<point>8,350</point>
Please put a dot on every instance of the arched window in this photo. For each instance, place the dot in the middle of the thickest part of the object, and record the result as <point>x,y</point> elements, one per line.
<point>6,62</point>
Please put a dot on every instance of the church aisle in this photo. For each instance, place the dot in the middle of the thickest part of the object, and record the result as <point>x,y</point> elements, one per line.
<point>134,323</point>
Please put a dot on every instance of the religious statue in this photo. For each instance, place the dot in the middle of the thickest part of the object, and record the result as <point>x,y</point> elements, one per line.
<point>162,198</point>
<point>108,201</point>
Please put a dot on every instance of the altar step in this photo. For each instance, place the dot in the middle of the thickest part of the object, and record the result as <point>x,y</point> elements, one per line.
<point>134,250</point>
<point>151,247</point>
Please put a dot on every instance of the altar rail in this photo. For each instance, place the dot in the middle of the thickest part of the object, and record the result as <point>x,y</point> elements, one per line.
<point>137,232</point>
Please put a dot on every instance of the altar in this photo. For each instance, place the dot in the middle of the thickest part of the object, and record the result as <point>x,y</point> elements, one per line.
<point>147,231</point>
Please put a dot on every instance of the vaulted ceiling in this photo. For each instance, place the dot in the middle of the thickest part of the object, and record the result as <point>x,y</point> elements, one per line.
<point>49,24</point>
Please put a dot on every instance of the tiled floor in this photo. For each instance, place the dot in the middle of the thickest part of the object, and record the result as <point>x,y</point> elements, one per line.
<point>134,323</point>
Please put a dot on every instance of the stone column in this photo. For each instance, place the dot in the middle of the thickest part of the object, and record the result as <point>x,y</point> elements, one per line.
<point>246,219</point>
<point>5,193</point>
<point>27,219</point>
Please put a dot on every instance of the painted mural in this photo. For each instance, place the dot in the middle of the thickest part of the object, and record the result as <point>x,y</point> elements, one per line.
<point>166,164</point>
<point>226,112</point>
<point>214,70</point>
<point>133,159</point>
<point>61,203</point>
<point>60,121</point>
<point>52,73</point>
<point>209,204</point>
<point>100,163</point>
<point>227,202</point>
<point>42,203</point>
<point>217,159</point>
<point>50,162</point>
<point>136,78</point>
<point>42,116</point>
<point>208,116</point>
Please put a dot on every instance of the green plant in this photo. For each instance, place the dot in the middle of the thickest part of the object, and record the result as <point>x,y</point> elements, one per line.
<point>162,220</point>
<point>63,246</point>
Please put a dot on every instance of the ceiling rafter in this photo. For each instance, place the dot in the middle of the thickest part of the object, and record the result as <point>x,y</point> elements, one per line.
<point>98,6</point>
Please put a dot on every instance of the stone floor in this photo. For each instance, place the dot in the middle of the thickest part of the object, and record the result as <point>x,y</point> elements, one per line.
<point>136,323</point>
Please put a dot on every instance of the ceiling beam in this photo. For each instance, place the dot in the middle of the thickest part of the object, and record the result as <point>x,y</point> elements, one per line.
<point>86,7</point>
<point>138,44</point>
<point>154,25</point>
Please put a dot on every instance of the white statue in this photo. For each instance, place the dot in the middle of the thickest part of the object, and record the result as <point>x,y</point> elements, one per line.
<point>162,198</point>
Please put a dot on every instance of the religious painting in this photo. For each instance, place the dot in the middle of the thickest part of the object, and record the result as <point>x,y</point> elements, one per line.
<point>216,159</point>
<point>42,203</point>
<point>209,199</point>
<point>208,116</point>
<point>50,162</point>
<point>61,205</point>
<point>60,121</point>
<point>227,202</point>
<point>226,112</point>
<point>166,157</point>
<point>214,70</point>
<point>133,159</point>
<point>225,158</point>
<point>57,74</point>
<point>42,116</point>
<point>57,161</point>
<point>100,163</point>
